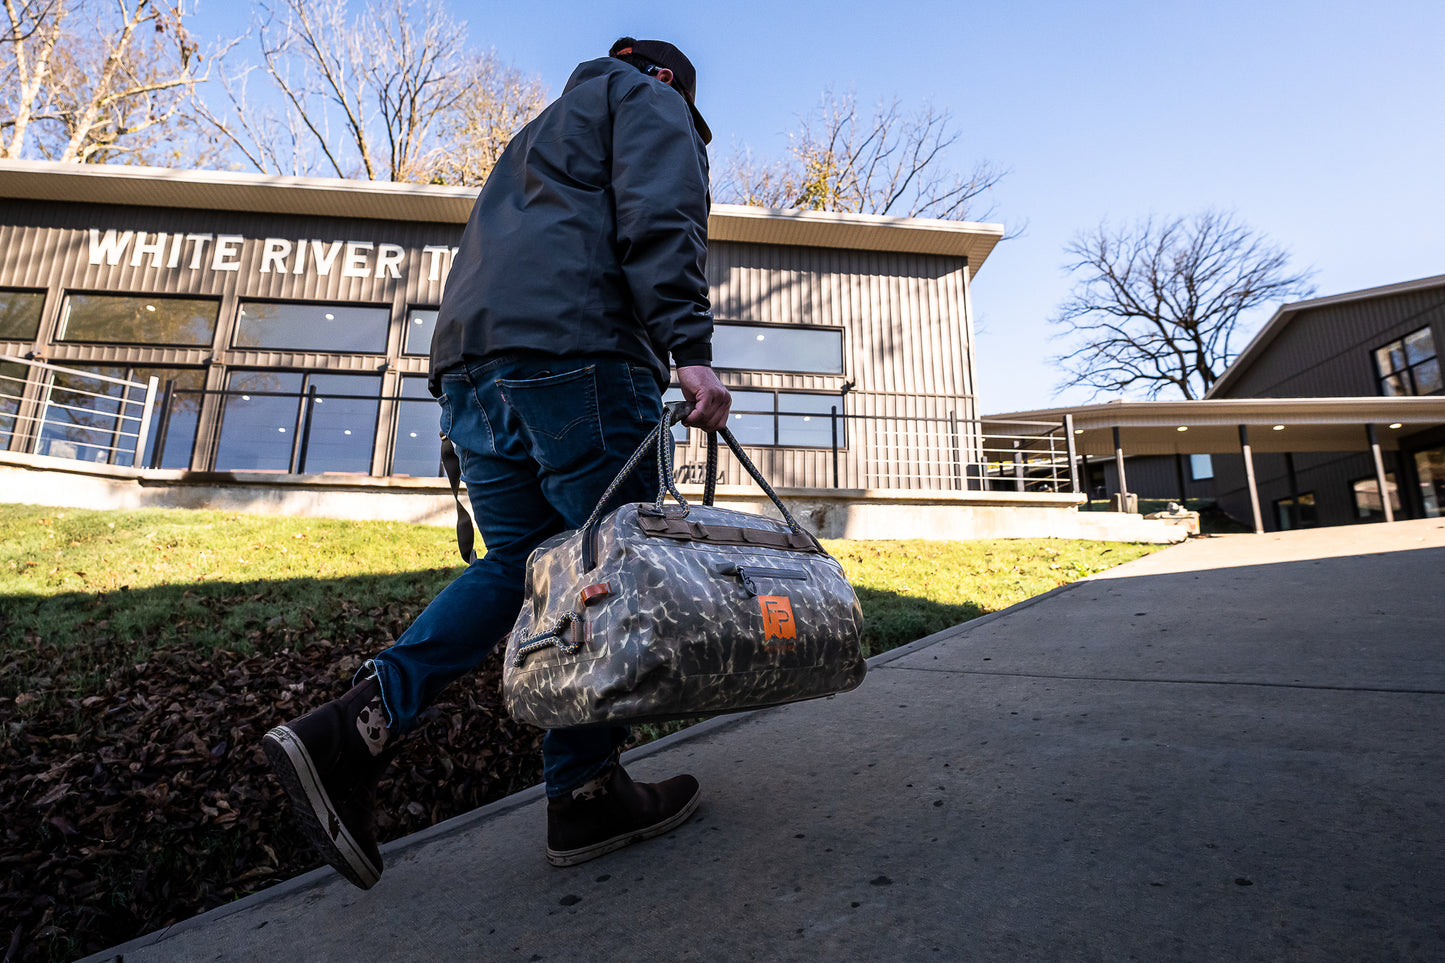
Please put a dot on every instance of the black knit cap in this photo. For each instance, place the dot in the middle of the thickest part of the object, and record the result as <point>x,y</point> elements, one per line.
<point>684,75</point>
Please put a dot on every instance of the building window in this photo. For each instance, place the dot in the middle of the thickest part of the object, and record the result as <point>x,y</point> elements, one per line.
<point>1201,467</point>
<point>147,320</point>
<point>777,347</point>
<point>1430,469</point>
<point>1367,497</point>
<point>786,419</point>
<point>269,423</point>
<point>93,413</point>
<point>1409,366</point>
<point>420,323</point>
<point>176,417</point>
<point>12,390</point>
<point>1290,514</point>
<point>417,448</point>
<point>20,314</point>
<point>312,327</point>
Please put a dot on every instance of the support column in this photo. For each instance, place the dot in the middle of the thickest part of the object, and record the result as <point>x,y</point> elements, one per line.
<point>1249,477</point>
<point>1379,472</point>
<point>1179,478</point>
<point>1119,463</point>
<point>1294,489</point>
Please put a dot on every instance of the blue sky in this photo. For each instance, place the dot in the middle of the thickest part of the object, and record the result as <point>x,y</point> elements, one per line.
<point>1321,124</point>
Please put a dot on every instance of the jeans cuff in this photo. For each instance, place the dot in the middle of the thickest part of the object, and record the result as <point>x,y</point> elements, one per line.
<point>372,669</point>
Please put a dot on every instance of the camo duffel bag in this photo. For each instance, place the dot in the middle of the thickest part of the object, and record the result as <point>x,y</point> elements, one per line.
<point>657,612</point>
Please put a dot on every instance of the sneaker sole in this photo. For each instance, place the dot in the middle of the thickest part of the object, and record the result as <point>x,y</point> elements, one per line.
<point>571,857</point>
<point>312,809</point>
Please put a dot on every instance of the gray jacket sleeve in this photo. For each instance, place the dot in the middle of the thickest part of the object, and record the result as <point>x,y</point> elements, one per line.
<point>660,182</point>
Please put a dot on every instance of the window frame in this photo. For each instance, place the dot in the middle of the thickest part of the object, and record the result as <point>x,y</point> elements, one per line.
<point>39,313</point>
<point>1290,502</point>
<point>821,328</point>
<point>1396,503</point>
<point>778,413</point>
<point>293,461</point>
<point>406,329</point>
<point>1407,373</point>
<point>401,401</point>
<point>62,322</point>
<point>381,352</point>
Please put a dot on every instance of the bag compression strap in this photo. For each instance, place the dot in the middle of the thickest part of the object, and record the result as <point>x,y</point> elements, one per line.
<point>453,467</point>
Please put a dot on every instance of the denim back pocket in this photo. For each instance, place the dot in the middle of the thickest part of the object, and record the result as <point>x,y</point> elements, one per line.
<point>558,414</point>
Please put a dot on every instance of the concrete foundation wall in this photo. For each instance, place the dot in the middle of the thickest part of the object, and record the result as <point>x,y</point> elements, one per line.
<point>829,513</point>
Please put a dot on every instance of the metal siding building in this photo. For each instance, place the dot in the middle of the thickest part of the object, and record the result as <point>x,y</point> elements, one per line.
<point>1357,350</point>
<point>892,293</point>
<point>1335,347</point>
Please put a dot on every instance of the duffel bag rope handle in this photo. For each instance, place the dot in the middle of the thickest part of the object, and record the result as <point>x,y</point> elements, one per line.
<point>710,487</point>
<point>673,413</point>
<point>550,636</point>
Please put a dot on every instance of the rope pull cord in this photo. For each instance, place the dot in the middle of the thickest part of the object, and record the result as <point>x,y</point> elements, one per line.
<point>548,637</point>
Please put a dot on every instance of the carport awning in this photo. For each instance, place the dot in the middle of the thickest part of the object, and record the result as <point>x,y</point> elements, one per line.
<point>1212,426</point>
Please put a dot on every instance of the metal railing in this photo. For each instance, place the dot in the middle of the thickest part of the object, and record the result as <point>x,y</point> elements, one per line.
<point>852,450</point>
<point>80,424</point>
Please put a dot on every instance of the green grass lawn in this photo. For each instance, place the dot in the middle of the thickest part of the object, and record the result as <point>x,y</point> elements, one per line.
<point>143,654</point>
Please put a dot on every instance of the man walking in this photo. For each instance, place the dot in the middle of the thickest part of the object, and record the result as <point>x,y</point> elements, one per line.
<point>579,276</point>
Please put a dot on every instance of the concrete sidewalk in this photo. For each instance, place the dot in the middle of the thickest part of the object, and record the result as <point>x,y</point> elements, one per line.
<point>1229,750</point>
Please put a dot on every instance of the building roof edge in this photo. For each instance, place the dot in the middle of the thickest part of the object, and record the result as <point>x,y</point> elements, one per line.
<point>386,200</point>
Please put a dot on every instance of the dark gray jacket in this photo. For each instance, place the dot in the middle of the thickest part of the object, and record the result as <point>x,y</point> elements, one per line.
<point>590,236</point>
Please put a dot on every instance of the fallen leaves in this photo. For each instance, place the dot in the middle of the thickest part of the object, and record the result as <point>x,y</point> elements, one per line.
<point>154,790</point>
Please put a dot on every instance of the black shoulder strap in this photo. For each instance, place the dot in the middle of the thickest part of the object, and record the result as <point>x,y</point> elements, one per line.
<point>453,467</point>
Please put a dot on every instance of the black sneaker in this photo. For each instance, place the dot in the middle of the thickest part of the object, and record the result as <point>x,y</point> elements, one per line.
<point>329,762</point>
<point>612,811</point>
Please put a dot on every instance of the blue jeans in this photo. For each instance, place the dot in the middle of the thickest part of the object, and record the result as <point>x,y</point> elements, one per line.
<point>539,441</point>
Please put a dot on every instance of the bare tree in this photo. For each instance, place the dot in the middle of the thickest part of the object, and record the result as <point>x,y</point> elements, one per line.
<point>91,81</point>
<point>1158,304</point>
<point>891,162</point>
<point>500,99</point>
<point>392,95</point>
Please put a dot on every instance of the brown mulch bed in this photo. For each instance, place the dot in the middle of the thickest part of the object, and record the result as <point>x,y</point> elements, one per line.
<point>150,800</point>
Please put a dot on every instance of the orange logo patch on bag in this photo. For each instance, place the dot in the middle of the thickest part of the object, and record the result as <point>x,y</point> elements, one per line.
<point>777,617</point>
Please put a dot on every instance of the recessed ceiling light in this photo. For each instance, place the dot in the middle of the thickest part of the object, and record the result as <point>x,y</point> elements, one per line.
<point>1279,427</point>
<point>1182,428</point>
<point>282,430</point>
<point>760,337</point>
<point>347,431</point>
<point>331,317</point>
<point>1397,425</point>
<point>1078,431</point>
<point>150,307</point>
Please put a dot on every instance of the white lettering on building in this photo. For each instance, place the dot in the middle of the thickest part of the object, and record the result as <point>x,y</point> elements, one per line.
<point>356,254</point>
<point>228,253</point>
<point>108,248</point>
<point>155,249</point>
<point>388,260</point>
<point>324,257</point>
<point>277,250</point>
<point>277,255</point>
<point>197,252</point>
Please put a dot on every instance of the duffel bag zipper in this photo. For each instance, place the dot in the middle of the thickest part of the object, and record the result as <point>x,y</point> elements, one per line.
<point>750,572</point>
